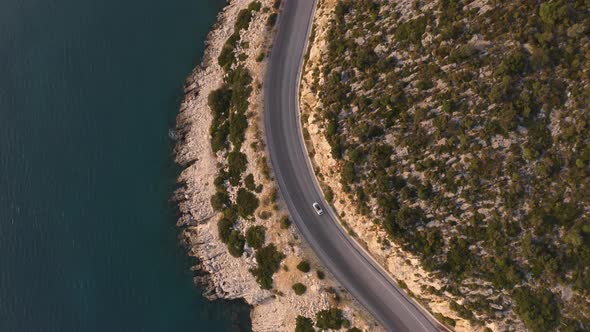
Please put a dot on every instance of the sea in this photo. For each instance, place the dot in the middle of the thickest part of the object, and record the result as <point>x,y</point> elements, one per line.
<point>89,90</point>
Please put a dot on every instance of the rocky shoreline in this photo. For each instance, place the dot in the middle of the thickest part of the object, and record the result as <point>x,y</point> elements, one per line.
<point>220,274</point>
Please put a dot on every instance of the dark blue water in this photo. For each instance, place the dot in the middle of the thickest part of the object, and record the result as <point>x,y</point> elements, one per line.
<point>88,91</point>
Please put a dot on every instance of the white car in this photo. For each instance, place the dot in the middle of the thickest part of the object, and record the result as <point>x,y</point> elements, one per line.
<point>317,208</point>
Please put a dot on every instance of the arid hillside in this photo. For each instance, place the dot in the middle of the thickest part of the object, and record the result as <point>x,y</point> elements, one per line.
<point>462,130</point>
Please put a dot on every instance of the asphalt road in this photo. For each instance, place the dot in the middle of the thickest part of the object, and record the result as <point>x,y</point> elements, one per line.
<point>360,275</point>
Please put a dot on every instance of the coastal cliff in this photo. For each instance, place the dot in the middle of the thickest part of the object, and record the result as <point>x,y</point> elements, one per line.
<point>234,221</point>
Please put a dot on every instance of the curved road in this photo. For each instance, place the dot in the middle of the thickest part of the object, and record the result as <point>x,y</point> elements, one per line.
<point>358,273</point>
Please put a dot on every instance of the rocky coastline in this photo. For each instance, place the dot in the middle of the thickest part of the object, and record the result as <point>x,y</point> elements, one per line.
<point>221,274</point>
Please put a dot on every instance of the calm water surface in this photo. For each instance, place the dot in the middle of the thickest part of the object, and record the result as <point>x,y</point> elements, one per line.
<point>88,91</point>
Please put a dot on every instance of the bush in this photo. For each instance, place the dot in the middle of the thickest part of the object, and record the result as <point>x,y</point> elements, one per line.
<point>220,200</point>
<point>345,323</point>
<point>329,194</point>
<point>235,244</point>
<point>303,324</point>
<point>304,266</point>
<point>329,319</point>
<point>243,20</point>
<point>255,236</point>
<point>237,163</point>
<point>247,203</point>
<point>272,20</point>
<point>299,288</point>
<point>226,56</point>
<point>285,222</point>
<point>515,63</point>
<point>260,57</point>
<point>219,101</point>
<point>320,274</point>
<point>237,129</point>
<point>224,229</point>
<point>424,84</point>
<point>537,309</point>
<point>411,31</point>
<point>249,182</point>
<point>269,261</point>
<point>462,53</point>
<point>354,329</point>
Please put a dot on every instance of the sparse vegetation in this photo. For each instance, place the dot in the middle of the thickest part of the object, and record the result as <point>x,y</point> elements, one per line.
<point>466,137</point>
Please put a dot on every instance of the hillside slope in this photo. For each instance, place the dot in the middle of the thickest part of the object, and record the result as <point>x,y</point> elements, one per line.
<point>460,129</point>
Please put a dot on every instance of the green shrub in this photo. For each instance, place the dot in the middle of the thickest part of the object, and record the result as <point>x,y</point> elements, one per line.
<point>237,163</point>
<point>463,52</point>
<point>220,200</point>
<point>303,324</point>
<point>237,129</point>
<point>320,274</point>
<point>226,56</point>
<point>537,309</point>
<point>219,101</point>
<point>247,203</point>
<point>461,310</point>
<point>424,84</point>
<point>345,323</point>
<point>304,266</point>
<point>243,20</point>
<point>255,236</point>
<point>552,12</point>
<point>224,229</point>
<point>219,134</point>
<point>249,182</point>
<point>269,261</point>
<point>329,194</point>
<point>446,320</point>
<point>514,64</point>
<point>235,244</point>
<point>299,288</point>
<point>411,31</point>
<point>272,20</point>
<point>285,222</point>
<point>329,319</point>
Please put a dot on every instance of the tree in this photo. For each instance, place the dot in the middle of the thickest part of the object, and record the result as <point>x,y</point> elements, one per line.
<point>237,163</point>
<point>224,229</point>
<point>247,203</point>
<point>537,309</point>
<point>303,324</point>
<point>285,222</point>
<point>249,182</point>
<point>255,236</point>
<point>269,261</point>
<point>220,200</point>
<point>235,244</point>
<point>303,266</point>
<point>329,319</point>
<point>299,288</point>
